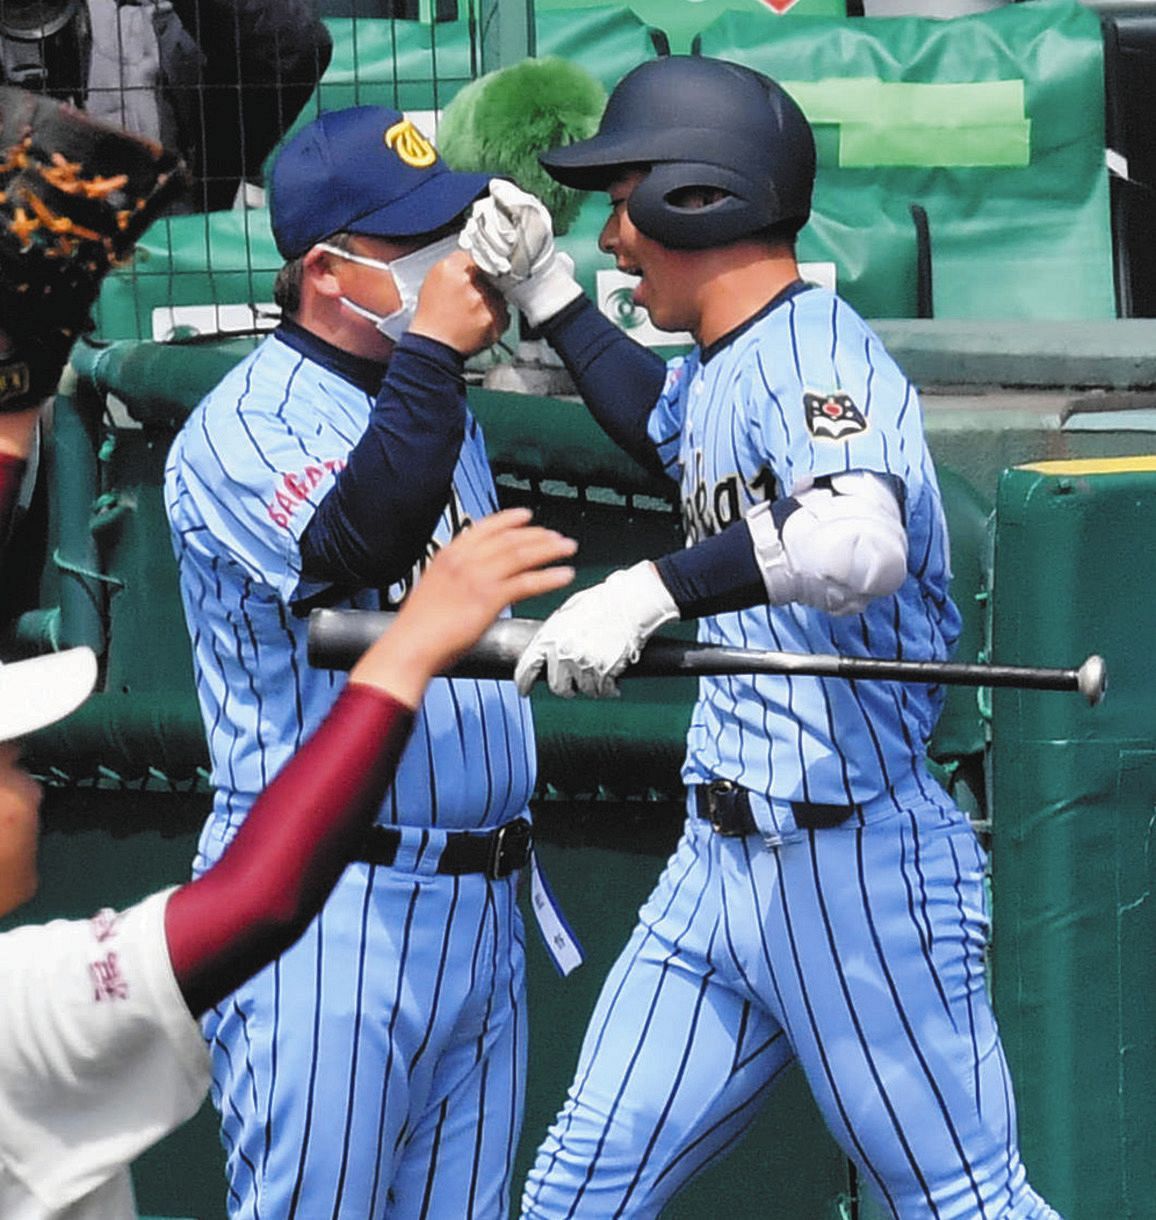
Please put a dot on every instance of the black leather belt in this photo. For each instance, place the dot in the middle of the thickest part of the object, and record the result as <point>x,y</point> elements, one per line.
<point>497,853</point>
<point>727,807</point>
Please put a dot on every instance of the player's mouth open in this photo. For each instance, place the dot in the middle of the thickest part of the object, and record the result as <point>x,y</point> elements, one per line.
<point>637,273</point>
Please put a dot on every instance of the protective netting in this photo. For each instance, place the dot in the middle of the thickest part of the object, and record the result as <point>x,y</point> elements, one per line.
<point>962,163</point>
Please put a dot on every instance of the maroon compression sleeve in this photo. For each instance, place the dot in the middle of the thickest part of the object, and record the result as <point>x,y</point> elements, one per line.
<point>11,474</point>
<point>298,837</point>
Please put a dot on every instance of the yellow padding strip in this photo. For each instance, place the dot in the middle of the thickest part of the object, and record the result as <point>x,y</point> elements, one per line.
<point>1080,466</point>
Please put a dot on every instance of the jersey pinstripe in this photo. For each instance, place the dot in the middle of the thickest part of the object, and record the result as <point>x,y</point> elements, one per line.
<point>733,431</point>
<point>243,479</point>
<point>396,1088</point>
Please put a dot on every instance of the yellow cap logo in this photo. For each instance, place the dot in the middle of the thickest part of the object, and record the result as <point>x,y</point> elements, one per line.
<point>410,145</point>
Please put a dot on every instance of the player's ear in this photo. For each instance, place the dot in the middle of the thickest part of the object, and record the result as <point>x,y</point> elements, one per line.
<point>319,267</point>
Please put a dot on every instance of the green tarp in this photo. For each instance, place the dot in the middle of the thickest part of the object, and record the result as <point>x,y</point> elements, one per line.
<point>682,20</point>
<point>993,123</point>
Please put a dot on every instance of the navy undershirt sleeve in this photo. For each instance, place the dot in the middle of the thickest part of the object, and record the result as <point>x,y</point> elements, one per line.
<point>377,520</point>
<point>618,379</point>
<point>718,574</point>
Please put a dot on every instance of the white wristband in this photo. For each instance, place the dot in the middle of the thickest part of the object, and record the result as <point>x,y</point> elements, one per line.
<point>547,292</point>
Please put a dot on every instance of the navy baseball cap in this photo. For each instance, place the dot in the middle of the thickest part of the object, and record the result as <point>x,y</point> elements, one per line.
<point>368,170</point>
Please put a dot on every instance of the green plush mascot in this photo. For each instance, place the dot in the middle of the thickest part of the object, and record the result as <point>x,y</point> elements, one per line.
<point>500,122</point>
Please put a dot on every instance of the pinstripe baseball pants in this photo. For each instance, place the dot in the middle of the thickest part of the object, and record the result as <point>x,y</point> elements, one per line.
<point>377,1068</point>
<point>857,950</point>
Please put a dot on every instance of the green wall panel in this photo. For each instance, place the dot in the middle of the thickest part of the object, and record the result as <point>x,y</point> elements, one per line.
<point>1074,797</point>
<point>993,122</point>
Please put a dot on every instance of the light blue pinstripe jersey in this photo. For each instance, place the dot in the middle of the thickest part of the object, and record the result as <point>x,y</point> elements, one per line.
<point>243,479</point>
<point>734,432</point>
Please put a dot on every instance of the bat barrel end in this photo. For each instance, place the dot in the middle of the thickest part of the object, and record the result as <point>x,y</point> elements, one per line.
<point>1092,679</point>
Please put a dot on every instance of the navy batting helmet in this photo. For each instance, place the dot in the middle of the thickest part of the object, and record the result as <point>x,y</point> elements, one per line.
<point>699,122</point>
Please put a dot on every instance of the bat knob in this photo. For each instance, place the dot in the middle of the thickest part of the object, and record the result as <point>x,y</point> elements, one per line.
<point>1092,679</point>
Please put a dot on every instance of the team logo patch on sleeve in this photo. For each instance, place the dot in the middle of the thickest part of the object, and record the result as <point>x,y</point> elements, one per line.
<point>833,417</point>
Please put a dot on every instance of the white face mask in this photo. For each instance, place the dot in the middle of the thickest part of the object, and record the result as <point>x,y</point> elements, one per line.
<point>408,273</point>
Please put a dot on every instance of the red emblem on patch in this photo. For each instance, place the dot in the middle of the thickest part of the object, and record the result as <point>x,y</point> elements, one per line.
<point>780,6</point>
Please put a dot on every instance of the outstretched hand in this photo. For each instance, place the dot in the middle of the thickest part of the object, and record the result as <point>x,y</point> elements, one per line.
<point>497,561</point>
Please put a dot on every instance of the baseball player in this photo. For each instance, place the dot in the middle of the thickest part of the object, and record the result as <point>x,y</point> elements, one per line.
<point>825,904</point>
<point>101,1055</point>
<point>378,1066</point>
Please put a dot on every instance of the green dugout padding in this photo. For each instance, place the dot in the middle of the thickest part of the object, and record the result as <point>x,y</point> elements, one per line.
<point>109,581</point>
<point>993,124</point>
<point>1074,794</point>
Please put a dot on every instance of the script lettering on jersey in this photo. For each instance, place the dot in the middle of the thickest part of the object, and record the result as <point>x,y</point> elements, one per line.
<point>707,509</point>
<point>108,982</point>
<point>294,489</point>
<point>459,520</point>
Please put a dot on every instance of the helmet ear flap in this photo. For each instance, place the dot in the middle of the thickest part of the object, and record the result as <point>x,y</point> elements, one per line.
<point>654,211</point>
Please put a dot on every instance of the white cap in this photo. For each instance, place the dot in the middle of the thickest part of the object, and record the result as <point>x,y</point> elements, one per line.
<point>41,690</point>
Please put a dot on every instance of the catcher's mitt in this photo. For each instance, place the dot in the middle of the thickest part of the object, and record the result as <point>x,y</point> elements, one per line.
<point>75,196</point>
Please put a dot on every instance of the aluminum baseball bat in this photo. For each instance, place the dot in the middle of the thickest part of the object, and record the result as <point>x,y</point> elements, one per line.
<point>337,638</point>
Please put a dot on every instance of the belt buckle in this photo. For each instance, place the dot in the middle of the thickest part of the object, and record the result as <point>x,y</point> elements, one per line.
<point>720,808</point>
<point>510,849</point>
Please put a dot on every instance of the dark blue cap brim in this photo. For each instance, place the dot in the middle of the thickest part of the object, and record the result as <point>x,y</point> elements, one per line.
<point>591,165</point>
<point>430,205</point>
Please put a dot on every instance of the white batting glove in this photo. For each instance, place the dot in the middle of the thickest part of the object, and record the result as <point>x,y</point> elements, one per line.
<point>510,235</point>
<point>594,635</point>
